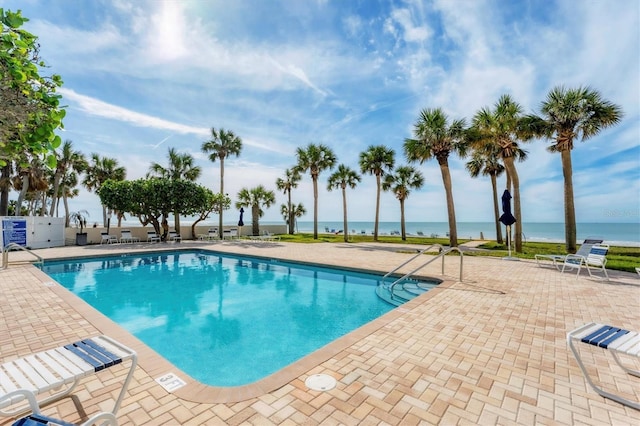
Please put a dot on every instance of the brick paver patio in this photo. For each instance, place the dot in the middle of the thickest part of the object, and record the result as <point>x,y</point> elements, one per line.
<point>488,350</point>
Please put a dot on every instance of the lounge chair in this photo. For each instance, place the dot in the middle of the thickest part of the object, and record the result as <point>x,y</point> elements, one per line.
<point>558,259</point>
<point>269,237</point>
<point>126,237</point>
<point>36,418</point>
<point>174,236</point>
<point>597,258</point>
<point>153,237</point>
<point>212,234</point>
<point>615,340</point>
<point>59,370</point>
<point>108,239</point>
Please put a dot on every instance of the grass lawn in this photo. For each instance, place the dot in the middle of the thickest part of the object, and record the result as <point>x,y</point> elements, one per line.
<point>619,258</point>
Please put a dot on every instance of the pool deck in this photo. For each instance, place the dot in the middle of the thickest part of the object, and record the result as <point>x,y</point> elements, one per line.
<point>488,350</point>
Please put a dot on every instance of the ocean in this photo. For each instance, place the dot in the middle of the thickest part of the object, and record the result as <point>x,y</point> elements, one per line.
<point>618,234</point>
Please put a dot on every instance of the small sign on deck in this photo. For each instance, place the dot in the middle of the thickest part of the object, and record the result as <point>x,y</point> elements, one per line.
<point>170,382</point>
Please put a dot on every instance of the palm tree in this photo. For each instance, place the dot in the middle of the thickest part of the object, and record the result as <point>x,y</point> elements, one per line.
<point>377,160</point>
<point>68,190</point>
<point>489,165</point>
<point>401,182</point>
<point>255,198</point>
<point>31,180</point>
<point>568,114</point>
<point>290,181</point>
<point>222,144</point>
<point>342,178</point>
<point>315,159</point>
<point>99,171</point>
<point>436,138</point>
<point>181,166</point>
<point>500,129</point>
<point>296,212</point>
<point>68,161</point>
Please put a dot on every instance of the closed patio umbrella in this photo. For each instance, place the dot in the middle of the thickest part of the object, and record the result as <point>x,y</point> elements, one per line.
<point>240,222</point>
<point>507,219</point>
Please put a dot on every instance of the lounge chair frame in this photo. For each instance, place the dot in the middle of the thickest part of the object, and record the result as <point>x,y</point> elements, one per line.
<point>109,239</point>
<point>60,370</point>
<point>558,259</point>
<point>152,237</point>
<point>596,259</point>
<point>617,341</point>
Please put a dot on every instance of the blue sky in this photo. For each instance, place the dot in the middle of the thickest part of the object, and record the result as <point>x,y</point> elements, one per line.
<point>141,76</point>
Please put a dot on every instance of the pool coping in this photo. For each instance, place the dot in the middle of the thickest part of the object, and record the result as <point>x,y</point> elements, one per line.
<point>156,365</point>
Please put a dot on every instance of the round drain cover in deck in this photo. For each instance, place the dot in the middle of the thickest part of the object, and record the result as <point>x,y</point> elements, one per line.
<point>320,382</point>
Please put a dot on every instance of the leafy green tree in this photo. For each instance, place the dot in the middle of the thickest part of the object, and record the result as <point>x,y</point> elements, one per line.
<point>501,129</point>
<point>68,160</point>
<point>153,198</point>
<point>377,161</point>
<point>255,198</point>
<point>436,138</point>
<point>315,159</point>
<point>290,181</point>
<point>569,114</point>
<point>342,178</point>
<point>222,144</point>
<point>401,182</point>
<point>297,210</point>
<point>488,163</point>
<point>98,172</point>
<point>181,166</point>
<point>213,203</point>
<point>30,110</point>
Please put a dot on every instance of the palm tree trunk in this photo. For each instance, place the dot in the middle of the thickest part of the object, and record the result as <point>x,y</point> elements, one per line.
<point>22,194</point>
<point>375,225</point>
<point>291,215</point>
<point>54,197</point>
<point>344,215</point>
<point>255,217</point>
<point>569,207</point>
<point>176,222</point>
<point>5,174</point>
<point>403,229</point>
<point>66,211</point>
<point>446,179</point>
<point>315,207</point>
<point>509,164</point>
<point>496,209</point>
<point>221,195</point>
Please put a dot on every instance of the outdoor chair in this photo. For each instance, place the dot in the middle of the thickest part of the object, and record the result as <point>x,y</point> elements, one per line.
<point>108,239</point>
<point>558,259</point>
<point>617,341</point>
<point>53,374</point>
<point>153,237</point>
<point>174,236</point>
<point>212,234</point>
<point>126,237</point>
<point>596,259</point>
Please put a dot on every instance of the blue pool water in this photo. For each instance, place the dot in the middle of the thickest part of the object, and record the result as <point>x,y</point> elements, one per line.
<point>224,320</point>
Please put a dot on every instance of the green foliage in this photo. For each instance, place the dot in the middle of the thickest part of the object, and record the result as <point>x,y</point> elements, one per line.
<point>30,110</point>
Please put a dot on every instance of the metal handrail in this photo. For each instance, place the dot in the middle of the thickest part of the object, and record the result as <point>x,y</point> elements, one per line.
<point>5,254</point>
<point>421,252</point>
<point>440,255</point>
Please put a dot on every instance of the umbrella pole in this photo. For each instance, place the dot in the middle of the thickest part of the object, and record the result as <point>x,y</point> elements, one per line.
<point>509,244</point>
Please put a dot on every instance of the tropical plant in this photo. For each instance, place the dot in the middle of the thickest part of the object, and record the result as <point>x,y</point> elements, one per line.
<point>290,181</point>
<point>377,160</point>
<point>342,178</point>
<point>315,159</point>
<point>401,182</point>
<point>222,144</point>
<point>30,110</point>
<point>255,199</point>
<point>214,202</point>
<point>500,130</point>
<point>297,210</point>
<point>436,138</point>
<point>181,166</point>
<point>31,182</point>
<point>98,172</point>
<point>488,163</point>
<point>79,219</point>
<point>68,160</point>
<point>568,114</point>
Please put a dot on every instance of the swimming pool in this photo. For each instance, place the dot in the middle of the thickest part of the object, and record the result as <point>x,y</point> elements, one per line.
<point>224,320</point>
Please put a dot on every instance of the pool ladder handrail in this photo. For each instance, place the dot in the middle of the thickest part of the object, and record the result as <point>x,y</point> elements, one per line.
<point>5,254</point>
<point>442,253</point>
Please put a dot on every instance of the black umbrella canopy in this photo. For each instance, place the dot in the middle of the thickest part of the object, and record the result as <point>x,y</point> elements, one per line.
<point>240,222</point>
<point>507,218</point>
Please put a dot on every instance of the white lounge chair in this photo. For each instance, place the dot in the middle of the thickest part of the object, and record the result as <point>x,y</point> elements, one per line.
<point>152,237</point>
<point>127,237</point>
<point>269,237</point>
<point>54,373</point>
<point>108,239</point>
<point>558,259</point>
<point>596,259</point>
<point>212,234</point>
<point>615,340</point>
<point>174,236</point>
